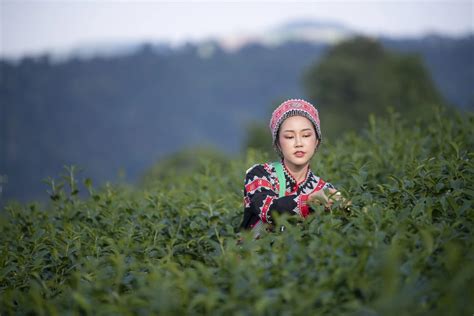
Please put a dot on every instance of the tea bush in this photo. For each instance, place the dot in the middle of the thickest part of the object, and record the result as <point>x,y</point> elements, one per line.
<point>404,248</point>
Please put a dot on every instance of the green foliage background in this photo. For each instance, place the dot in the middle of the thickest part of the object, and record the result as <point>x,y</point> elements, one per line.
<point>357,78</point>
<point>405,248</point>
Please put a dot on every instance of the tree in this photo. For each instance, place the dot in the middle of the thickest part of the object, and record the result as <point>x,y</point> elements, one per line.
<point>358,77</point>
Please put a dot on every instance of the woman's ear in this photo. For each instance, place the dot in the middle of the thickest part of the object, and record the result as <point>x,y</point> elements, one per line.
<point>317,145</point>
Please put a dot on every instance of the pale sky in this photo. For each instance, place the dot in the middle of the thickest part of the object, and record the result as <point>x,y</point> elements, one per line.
<point>33,27</point>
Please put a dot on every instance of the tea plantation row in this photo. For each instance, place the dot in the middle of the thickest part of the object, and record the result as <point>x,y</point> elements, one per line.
<point>405,248</point>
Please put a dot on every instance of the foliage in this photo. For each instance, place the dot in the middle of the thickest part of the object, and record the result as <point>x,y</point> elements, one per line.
<point>181,163</point>
<point>258,135</point>
<point>359,76</point>
<point>356,78</point>
<point>406,247</point>
<point>435,48</point>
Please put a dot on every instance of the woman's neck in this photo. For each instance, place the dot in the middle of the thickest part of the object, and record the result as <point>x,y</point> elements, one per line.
<point>298,172</point>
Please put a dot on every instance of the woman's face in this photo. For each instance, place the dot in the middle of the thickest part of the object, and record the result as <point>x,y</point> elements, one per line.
<point>297,140</point>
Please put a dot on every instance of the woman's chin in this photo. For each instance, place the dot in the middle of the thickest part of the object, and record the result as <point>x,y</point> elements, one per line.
<point>297,161</point>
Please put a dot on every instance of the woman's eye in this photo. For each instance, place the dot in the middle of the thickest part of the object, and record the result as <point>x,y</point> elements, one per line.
<point>308,135</point>
<point>289,137</point>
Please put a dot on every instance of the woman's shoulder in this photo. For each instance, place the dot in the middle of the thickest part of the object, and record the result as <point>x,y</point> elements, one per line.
<point>261,169</point>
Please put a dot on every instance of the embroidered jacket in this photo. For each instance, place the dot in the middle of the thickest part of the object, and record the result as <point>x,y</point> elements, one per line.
<point>261,195</point>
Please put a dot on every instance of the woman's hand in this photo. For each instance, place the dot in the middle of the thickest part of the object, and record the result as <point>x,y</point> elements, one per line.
<point>328,201</point>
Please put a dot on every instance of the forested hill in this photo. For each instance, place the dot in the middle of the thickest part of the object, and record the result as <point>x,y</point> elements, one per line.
<point>125,112</point>
<point>450,61</point>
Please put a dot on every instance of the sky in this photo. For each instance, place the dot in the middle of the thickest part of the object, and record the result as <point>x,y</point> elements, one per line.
<point>37,26</point>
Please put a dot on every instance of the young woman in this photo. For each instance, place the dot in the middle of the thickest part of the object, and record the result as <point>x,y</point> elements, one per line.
<point>287,186</point>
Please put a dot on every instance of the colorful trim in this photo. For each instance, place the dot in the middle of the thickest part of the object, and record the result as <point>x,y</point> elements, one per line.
<point>264,209</point>
<point>303,205</point>
<point>258,183</point>
<point>288,173</point>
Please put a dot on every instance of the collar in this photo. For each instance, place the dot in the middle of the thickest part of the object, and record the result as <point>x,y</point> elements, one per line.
<point>292,178</point>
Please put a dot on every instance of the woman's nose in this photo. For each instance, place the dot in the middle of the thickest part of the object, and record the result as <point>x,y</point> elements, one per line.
<point>298,141</point>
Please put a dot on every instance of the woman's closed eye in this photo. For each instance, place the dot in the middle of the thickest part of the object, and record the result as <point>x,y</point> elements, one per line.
<point>305,136</point>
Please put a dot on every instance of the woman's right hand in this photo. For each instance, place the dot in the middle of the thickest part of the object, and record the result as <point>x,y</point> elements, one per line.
<point>328,200</point>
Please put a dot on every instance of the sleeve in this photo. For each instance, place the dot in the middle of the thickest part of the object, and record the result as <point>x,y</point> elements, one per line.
<point>303,199</point>
<point>329,186</point>
<point>261,196</point>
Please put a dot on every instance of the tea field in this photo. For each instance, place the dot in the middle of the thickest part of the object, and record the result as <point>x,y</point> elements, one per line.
<point>171,246</point>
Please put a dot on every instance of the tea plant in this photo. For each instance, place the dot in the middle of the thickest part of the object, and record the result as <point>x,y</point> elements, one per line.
<point>173,247</point>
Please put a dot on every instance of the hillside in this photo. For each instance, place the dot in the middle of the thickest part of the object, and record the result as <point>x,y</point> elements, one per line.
<point>405,247</point>
<point>119,115</point>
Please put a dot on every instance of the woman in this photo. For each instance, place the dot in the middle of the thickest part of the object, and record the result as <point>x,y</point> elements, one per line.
<point>287,186</point>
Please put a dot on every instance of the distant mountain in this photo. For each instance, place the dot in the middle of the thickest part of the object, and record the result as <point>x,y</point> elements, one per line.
<point>116,49</point>
<point>308,31</point>
<point>114,113</point>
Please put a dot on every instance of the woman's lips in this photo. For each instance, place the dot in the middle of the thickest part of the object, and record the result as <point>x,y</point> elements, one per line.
<point>299,154</point>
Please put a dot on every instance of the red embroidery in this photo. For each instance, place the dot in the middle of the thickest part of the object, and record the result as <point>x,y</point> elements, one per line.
<point>304,208</point>
<point>265,207</point>
<point>292,105</point>
<point>255,184</point>
<point>302,201</point>
<point>320,185</point>
<point>268,168</point>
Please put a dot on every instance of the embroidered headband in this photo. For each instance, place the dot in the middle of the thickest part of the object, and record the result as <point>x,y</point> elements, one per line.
<point>291,108</point>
